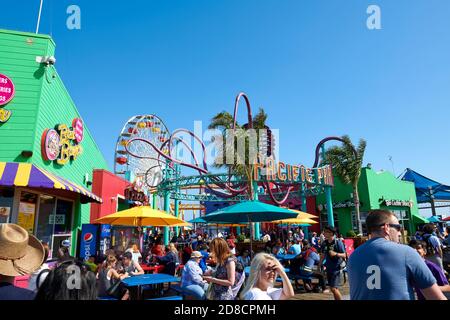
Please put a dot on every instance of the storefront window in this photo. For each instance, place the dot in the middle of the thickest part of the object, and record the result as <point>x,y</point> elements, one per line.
<point>45,226</point>
<point>27,211</point>
<point>324,219</point>
<point>6,204</point>
<point>54,222</point>
<point>402,216</point>
<point>362,215</point>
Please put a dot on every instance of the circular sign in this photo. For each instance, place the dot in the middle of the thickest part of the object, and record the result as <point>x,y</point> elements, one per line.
<point>77,125</point>
<point>6,90</point>
<point>50,145</point>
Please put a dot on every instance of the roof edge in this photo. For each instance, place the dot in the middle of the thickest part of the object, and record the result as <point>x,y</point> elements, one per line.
<point>28,34</point>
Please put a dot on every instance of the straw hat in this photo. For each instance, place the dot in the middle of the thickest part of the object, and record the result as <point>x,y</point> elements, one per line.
<point>196,254</point>
<point>20,253</point>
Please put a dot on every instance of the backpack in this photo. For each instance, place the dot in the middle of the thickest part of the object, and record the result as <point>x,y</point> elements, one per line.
<point>239,267</point>
<point>430,249</point>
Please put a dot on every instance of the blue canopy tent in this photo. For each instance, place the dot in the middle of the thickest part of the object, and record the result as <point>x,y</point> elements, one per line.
<point>427,190</point>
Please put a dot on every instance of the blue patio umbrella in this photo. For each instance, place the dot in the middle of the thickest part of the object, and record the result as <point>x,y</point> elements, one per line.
<point>197,220</point>
<point>251,211</point>
<point>434,219</point>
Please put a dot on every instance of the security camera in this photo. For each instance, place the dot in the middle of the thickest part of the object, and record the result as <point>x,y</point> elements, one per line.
<point>47,60</point>
<point>51,60</point>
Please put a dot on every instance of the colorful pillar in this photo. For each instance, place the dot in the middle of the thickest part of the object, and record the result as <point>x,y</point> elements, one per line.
<point>304,208</point>
<point>328,197</point>
<point>154,201</point>
<point>257,234</point>
<point>176,210</point>
<point>166,209</point>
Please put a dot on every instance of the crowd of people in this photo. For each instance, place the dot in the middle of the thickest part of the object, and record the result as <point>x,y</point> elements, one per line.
<point>214,269</point>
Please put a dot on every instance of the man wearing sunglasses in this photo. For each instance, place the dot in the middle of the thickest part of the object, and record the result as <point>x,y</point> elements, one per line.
<point>384,269</point>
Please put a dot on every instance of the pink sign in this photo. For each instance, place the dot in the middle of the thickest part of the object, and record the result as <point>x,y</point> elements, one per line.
<point>77,125</point>
<point>50,145</point>
<point>6,90</point>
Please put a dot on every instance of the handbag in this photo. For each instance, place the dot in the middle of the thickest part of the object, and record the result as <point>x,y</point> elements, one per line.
<point>115,290</point>
<point>209,292</point>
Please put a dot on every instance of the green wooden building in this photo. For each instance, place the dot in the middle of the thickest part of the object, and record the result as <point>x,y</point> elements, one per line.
<point>47,154</point>
<point>377,190</point>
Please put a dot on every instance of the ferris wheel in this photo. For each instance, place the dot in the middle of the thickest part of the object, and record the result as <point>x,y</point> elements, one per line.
<point>149,170</point>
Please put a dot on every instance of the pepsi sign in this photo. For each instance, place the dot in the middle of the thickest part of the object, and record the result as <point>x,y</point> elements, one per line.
<point>88,243</point>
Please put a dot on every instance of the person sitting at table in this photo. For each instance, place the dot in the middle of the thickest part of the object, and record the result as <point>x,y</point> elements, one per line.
<point>295,248</point>
<point>158,248</point>
<point>263,271</point>
<point>108,276</point>
<point>278,249</point>
<point>192,281</point>
<point>131,267</point>
<point>134,249</point>
<point>186,254</point>
<point>170,260</point>
<point>303,265</point>
<point>244,259</point>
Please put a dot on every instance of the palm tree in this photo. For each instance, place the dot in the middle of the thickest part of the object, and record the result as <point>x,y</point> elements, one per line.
<point>346,161</point>
<point>241,164</point>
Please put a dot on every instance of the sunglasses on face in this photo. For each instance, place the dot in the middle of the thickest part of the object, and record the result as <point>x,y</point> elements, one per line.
<point>397,227</point>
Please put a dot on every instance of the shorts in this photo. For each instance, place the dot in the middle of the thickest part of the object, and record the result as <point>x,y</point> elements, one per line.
<point>334,279</point>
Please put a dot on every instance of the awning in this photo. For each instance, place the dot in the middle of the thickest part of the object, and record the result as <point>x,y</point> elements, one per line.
<point>418,219</point>
<point>31,176</point>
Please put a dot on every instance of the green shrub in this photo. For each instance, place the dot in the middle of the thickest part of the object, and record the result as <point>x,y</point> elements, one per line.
<point>351,234</point>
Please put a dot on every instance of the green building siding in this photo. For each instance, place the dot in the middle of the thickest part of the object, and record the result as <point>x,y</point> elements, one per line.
<point>42,101</point>
<point>18,53</point>
<point>372,187</point>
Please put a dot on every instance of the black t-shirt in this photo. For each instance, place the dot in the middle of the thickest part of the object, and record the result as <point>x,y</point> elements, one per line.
<point>10,292</point>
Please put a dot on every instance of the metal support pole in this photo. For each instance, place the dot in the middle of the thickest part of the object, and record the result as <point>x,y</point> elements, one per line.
<point>257,234</point>
<point>39,17</point>
<point>166,205</point>
<point>303,197</point>
<point>328,197</point>
<point>154,206</point>
<point>176,210</point>
<point>433,207</point>
<point>166,209</point>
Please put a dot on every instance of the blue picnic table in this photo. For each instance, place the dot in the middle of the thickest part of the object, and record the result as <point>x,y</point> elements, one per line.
<point>286,256</point>
<point>152,279</point>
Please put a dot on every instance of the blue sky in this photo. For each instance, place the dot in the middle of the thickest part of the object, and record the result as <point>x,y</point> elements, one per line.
<point>313,65</point>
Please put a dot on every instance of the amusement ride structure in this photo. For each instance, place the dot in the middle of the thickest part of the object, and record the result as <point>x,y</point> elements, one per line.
<point>146,151</point>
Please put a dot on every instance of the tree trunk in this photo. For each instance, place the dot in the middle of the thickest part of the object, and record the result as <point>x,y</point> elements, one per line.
<point>356,202</point>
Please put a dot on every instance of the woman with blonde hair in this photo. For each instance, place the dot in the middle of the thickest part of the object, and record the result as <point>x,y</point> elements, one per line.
<point>263,271</point>
<point>223,278</point>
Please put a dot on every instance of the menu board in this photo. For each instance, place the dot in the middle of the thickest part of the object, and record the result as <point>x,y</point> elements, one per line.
<point>25,219</point>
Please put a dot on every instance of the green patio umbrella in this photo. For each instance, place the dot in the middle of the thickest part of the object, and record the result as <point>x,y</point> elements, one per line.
<point>434,219</point>
<point>251,211</point>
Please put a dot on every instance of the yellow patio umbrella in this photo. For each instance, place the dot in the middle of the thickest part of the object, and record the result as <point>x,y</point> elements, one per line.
<point>304,215</point>
<point>183,224</point>
<point>143,216</point>
<point>296,221</point>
